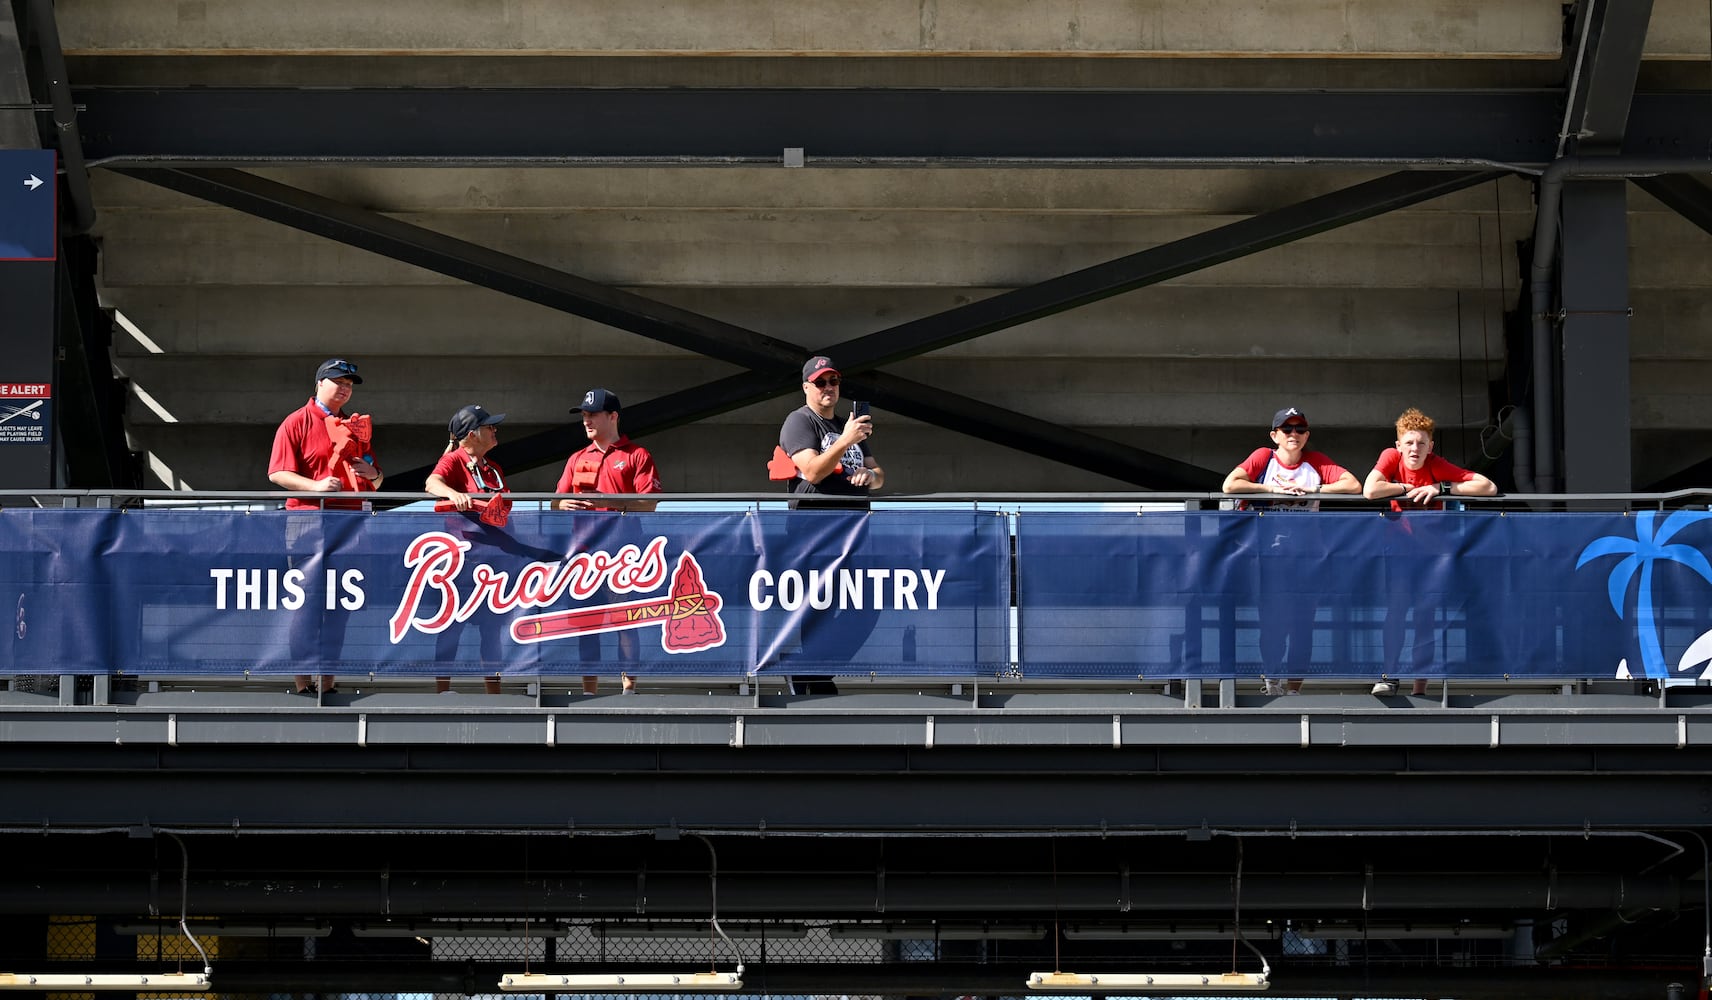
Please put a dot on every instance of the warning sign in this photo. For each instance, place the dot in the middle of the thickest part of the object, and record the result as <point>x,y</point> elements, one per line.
<point>24,412</point>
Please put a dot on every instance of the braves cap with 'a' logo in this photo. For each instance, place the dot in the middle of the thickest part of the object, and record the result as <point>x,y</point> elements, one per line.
<point>597,401</point>
<point>1283,416</point>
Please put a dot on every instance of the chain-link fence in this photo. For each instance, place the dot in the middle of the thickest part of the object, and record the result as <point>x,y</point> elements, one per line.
<point>324,952</point>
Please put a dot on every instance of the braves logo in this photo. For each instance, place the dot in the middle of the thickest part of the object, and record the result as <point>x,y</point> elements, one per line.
<point>689,613</point>
<point>688,616</point>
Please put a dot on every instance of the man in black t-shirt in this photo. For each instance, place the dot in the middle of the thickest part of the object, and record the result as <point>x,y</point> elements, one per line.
<point>816,455</point>
<point>829,459</point>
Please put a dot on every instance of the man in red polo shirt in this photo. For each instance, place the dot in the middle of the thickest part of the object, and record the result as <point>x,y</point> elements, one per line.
<point>611,463</point>
<point>305,459</point>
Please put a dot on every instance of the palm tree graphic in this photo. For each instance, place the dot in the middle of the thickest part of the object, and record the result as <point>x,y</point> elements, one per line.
<point>1642,552</point>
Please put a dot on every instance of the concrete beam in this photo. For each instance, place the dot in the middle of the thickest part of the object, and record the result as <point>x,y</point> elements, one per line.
<point>1435,29</point>
<point>17,127</point>
<point>968,190</point>
<point>1679,31</point>
<point>239,322</point>
<point>670,247</point>
<point>723,456</point>
<point>112,68</point>
<point>1136,392</point>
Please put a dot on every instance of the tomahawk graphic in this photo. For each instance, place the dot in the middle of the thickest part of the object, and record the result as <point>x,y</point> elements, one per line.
<point>689,616</point>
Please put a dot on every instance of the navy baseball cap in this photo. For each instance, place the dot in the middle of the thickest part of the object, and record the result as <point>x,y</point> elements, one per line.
<point>338,368</point>
<point>818,366</point>
<point>1283,416</point>
<point>469,418</point>
<point>597,401</point>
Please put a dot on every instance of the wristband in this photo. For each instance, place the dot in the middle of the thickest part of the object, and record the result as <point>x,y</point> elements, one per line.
<point>1444,488</point>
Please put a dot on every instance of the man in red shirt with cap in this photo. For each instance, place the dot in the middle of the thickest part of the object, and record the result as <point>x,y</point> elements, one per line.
<point>611,463</point>
<point>306,459</point>
<point>1291,470</point>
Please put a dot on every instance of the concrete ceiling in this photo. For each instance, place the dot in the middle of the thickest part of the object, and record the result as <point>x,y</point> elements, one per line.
<point>231,312</point>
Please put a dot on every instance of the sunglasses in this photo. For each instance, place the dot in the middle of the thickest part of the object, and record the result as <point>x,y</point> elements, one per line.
<point>1294,428</point>
<point>827,382</point>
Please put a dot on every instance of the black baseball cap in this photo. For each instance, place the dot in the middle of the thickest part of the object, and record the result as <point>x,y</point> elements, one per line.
<point>1283,416</point>
<point>817,366</point>
<point>338,368</point>
<point>469,418</point>
<point>597,401</point>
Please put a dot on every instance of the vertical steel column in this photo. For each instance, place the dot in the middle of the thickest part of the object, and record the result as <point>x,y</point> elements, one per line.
<point>17,125</point>
<point>1594,292</point>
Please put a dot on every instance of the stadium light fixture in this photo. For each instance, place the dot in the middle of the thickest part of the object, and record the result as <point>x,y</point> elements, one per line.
<point>865,931</point>
<point>225,928</point>
<point>1058,981</point>
<point>641,982</point>
<point>1160,932</point>
<point>129,982</point>
<point>695,928</point>
<point>1148,982</point>
<point>462,929</point>
<point>96,982</point>
<point>620,982</point>
<point>1405,932</point>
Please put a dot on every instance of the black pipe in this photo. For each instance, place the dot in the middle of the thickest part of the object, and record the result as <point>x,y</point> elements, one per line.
<point>848,895</point>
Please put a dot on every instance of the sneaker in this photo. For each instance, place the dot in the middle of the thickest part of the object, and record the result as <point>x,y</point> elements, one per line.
<point>1275,688</point>
<point>308,692</point>
<point>1385,688</point>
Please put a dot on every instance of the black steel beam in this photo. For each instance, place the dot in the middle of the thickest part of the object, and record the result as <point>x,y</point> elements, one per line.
<point>872,803</point>
<point>861,355</point>
<point>1021,432</point>
<point>475,264</point>
<point>63,134</point>
<point>451,125</point>
<point>929,404</point>
<point>1594,348</point>
<point>1683,194</point>
<point>775,362</point>
<point>1154,265</point>
<point>92,411</point>
<point>1695,476</point>
<point>1609,41</point>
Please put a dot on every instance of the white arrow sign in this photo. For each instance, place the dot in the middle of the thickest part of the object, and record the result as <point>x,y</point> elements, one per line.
<point>33,182</point>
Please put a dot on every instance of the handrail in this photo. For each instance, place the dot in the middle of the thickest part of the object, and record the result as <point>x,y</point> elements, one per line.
<point>1695,495</point>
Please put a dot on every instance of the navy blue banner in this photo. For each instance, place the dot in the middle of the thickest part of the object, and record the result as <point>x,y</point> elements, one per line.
<point>186,592</point>
<point>1216,594</point>
<point>1303,594</point>
<point>29,211</point>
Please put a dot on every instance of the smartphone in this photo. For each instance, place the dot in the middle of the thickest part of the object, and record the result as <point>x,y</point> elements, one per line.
<point>859,408</point>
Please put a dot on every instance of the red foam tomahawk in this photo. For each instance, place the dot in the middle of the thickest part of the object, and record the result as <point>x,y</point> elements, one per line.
<point>351,437</point>
<point>689,616</point>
